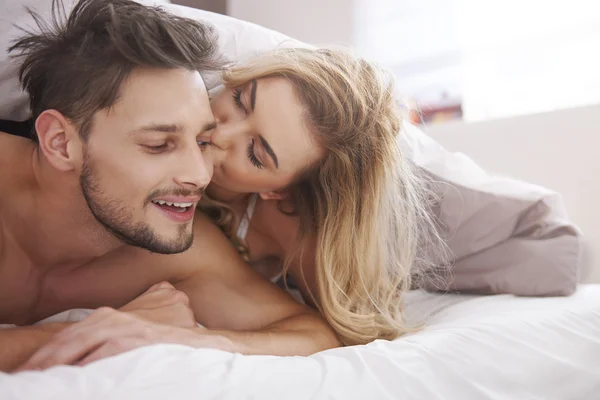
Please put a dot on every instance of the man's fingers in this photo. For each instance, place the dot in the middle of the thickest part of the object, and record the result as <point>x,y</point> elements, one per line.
<point>151,298</point>
<point>158,296</point>
<point>160,285</point>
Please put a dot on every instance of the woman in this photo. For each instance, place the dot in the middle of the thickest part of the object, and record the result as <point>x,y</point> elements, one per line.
<point>310,182</point>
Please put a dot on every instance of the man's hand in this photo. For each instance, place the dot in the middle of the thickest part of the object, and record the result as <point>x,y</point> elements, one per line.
<point>107,332</point>
<point>162,314</point>
<point>163,304</point>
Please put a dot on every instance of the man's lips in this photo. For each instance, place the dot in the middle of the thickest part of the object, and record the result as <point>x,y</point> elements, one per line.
<point>181,201</point>
<point>182,212</point>
<point>177,208</point>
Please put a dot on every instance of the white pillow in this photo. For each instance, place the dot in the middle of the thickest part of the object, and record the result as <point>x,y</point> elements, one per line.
<point>238,41</point>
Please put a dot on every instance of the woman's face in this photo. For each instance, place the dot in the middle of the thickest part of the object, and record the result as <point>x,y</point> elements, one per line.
<point>261,142</point>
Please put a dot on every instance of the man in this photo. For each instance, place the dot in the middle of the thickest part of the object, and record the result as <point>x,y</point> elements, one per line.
<point>99,212</point>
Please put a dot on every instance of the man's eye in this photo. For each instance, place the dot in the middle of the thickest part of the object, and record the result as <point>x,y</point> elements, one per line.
<point>204,144</point>
<point>157,149</point>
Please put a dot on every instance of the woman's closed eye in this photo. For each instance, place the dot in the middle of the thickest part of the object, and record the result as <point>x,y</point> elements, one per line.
<point>237,99</point>
<point>252,156</point>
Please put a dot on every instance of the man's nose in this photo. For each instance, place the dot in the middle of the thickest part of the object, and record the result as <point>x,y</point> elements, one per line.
<point>196,170</point>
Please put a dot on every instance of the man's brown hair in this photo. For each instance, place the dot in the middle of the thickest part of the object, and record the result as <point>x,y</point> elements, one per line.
<point>76,64</point>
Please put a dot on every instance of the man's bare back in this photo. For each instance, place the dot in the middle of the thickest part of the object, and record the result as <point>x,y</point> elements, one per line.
<point>19,283</point>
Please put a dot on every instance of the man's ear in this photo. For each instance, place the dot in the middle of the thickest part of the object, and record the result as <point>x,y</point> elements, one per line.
<point>273,195</point>
<point>59,140</point>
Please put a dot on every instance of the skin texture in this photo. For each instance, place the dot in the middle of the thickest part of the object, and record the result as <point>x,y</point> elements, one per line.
<point>280,118</point>
<point>71,210</point>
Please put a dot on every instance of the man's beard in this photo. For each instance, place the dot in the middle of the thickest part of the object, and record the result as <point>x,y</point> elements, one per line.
<point>118,220</point>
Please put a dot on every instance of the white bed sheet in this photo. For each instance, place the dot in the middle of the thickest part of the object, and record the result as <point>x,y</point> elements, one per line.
<point>473,347</point>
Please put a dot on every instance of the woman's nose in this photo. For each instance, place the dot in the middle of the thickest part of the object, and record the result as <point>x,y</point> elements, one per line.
<point>224,135</point>
<point>221,143</point>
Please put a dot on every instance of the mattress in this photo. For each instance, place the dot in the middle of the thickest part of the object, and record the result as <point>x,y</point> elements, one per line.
<point>470,347</point>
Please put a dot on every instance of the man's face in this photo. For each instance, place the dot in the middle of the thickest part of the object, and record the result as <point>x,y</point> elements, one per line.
<point>143,168</point>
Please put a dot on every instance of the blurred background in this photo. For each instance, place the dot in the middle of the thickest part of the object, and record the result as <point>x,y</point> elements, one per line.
<point>514,84</point>
<point>469,59</point>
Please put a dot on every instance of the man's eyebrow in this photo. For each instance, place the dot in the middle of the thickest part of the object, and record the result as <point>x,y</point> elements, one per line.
<point>253,94</point>
<point>167,128</point>
<point>269,150</point>
<point>171,128</point>
<point>209,126</point>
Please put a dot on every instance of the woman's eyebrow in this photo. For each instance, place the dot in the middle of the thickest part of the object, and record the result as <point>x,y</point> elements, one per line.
<point>253,94</point>
<point>264,142</point>
<point>269,150</point>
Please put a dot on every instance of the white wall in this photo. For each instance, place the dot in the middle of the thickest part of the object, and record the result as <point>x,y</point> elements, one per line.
<point>318,22</point>
<point>559,150</point>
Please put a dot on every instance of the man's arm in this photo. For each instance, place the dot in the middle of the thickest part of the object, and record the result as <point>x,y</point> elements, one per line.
<point>243,312</point>
<point>233,301</point>
<point>160,304</point>
<point>18,344</point>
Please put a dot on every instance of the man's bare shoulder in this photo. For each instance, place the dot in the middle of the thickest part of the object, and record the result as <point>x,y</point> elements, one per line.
<point>12,151</point>
<point>15,169</point>
<point>11,147</point>
<point>2,245</point>
<point>210,243</point>
<point>207,234</point>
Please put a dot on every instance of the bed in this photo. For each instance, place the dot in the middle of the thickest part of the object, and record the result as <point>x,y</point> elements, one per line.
<point>470,347</point>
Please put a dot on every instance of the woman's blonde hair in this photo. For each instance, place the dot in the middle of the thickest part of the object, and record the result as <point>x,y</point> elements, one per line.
<point>363,201</point>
